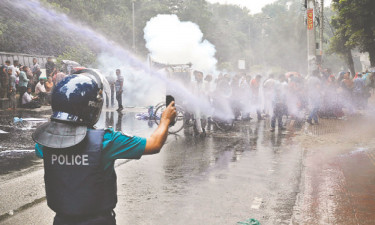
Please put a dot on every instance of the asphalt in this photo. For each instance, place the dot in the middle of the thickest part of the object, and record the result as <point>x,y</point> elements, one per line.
<point>321,174</point>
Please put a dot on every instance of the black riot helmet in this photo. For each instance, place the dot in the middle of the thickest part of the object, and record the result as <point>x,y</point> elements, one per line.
<point>77,99</point>
<point>77,102</point>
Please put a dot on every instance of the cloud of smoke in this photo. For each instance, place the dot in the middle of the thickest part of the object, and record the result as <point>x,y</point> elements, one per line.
<point>140,89</point>
<point>172,41</point>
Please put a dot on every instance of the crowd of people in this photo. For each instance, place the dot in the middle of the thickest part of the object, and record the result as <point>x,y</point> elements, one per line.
<point>322,94</point>
<point>34,90</point>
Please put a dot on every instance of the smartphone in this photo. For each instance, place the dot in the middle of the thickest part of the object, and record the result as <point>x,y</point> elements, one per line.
<point>168,100</point>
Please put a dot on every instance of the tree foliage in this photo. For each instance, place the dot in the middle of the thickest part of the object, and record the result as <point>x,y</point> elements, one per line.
<point>276,37</point>
<point>81,54</point>
<point>355,26</point>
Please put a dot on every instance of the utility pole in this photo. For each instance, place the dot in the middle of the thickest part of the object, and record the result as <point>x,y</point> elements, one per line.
<point>311,45</point>
<point>321,27</point>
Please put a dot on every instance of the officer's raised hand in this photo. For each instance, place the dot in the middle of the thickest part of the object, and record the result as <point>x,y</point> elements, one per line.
<point>156,141</point>
<point>169,114</point>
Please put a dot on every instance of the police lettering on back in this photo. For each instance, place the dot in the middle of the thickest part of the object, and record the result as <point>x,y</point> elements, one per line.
<point>70,160</point>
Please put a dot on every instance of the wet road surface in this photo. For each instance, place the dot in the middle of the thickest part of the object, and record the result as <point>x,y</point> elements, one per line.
<point>276,178</point>
<point>338,181</point>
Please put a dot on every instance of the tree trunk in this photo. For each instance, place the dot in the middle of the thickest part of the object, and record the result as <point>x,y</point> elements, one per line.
<point>370,46</point>
<point>350,62</point>
<point>372,56</point>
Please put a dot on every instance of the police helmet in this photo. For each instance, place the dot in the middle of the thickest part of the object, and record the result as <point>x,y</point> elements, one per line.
<point>77,102</point>
<point>77,99</point>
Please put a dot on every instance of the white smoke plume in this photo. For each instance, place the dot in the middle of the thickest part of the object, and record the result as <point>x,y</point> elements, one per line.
<point>172,41</point>
<point>140,89</point>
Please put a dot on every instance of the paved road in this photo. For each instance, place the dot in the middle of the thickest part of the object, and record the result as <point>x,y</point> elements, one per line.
<point>222,179</point>
<point>318,175</point>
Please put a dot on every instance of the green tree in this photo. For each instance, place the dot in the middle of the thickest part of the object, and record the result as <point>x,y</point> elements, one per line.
<point>356,19</point>
<point>81,54</point>
<point>340,42</point>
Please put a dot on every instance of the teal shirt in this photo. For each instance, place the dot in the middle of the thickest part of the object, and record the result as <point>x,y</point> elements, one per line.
<point>23,81</point>
<point>116,145</point>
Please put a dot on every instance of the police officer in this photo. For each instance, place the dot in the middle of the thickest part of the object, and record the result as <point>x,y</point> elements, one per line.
<point>80,179</point>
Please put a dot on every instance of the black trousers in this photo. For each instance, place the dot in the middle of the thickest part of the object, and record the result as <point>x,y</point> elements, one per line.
<point>119,98</point>
<point>107,218</point>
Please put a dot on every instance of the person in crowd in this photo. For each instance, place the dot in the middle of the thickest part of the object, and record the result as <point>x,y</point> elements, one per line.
<point>36,72</point>
<point>314,96</point>
<point>358,91</point>
<point>208,85</point>
<point>340,76</point>
<point>245,97</point>
<point>50,67</point>
<point>220,99</point>
<point>111,78</point>
<point>71,135</point>
<point>12,88</point>
<point>208,92</point>
<point>198,91</point>
<point>119,87</point>
<point>29,75</point>
<point>223,86</point>
<point>58,76</point>
<point>29,101</point>
<point>16,68</point>
<point>4,80</point>
<point>49,86</point>
<point>236,96</point>
<point>268,89</point>
<point>255,85</point>
<point>35,68</point>
<point>347,88</point>
<point>278,103</point>
<point>23,82</point>
<point>40,90</point>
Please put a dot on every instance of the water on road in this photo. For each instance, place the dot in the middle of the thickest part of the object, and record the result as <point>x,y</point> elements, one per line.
<point>224,178</point>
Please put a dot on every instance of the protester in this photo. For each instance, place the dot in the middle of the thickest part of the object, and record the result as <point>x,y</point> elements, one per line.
<point>16,68</point>
<point>208,85</point>
<point>4,79</point>
<point>49,86</point>
<point>35,68</point>
<point>28,101</point>
<point>71,137</point>
<point>268,89</point>
<point>12,88</point>
<point>358,91</point>
<point>245,87</point>
<point>236,96</point>
<point>278,103</point>
<point>23,82</point>
<point>314,96</point>
<point>111,80</point>
<point>255,85</point>
<point>58,76</point>
<point>29,75</point>
<point>119,86</point>
<point>40,90</point>
<point>50,67</point>
<point>198,91</point>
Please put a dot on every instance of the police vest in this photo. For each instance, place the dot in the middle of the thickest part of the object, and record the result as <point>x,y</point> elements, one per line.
<point>75,180</point>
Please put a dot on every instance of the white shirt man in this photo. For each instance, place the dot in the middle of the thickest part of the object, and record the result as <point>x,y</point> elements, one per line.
<point>39,87</point>
<point>26,98</point>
